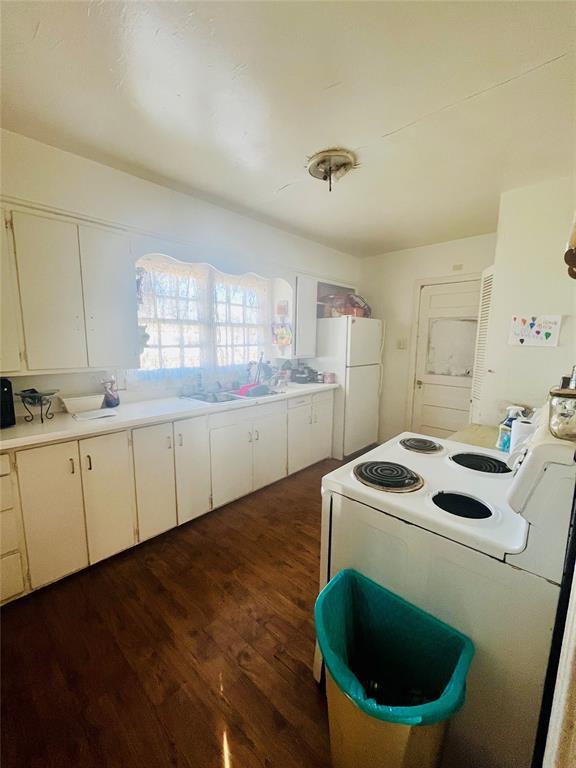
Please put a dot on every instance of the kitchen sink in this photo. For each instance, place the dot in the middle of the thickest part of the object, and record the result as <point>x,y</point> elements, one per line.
<point>215,397</point>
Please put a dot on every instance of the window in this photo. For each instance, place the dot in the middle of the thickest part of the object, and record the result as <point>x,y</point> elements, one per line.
<point>195,316</point>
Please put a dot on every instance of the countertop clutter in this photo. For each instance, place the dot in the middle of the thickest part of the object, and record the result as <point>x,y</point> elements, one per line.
<point>64,426</point>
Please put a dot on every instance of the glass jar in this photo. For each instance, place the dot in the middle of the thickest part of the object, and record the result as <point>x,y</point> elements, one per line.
<point>562,419</point>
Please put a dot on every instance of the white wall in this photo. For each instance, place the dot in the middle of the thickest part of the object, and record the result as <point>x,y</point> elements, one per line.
<point>530,278</point>
<point>36,173</point>
<point>389,283</point>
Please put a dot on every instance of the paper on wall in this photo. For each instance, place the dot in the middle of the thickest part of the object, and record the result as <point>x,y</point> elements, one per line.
<point>535,330</point>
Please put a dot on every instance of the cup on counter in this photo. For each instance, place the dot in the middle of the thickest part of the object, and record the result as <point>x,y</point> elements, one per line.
<point>329,377</point>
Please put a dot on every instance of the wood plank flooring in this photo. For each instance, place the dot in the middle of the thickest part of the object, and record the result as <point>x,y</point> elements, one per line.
<point>193,650</point>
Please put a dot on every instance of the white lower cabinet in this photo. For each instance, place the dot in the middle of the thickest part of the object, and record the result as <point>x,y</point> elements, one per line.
<point>322,416</point>
<point>309,430</point>
<point>231,457</point>
<point>53,511</point>
<point>108,482</point>
<point>155,480</point>
<point>11,579</point>
<point>248,450</point>
<point>193,487</point>
<point>269,446</point>
<point>299,434</point>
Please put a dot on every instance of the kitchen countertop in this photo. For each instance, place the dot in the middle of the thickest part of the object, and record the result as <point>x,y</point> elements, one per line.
<point>477,434</point>
<point>136,414</point>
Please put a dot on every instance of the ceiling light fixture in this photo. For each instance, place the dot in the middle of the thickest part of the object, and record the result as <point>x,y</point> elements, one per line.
<point>331,164</point>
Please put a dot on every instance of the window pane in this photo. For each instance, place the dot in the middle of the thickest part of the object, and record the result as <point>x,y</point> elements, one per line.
<point>220,290</point>
<point>221,315</point>
<point>191,334</point>
<point>253,353</point>
<point>236,314</point>
<point>170,334</point>
<point>152,331</point>
<point>238,336</point>
<point>149,359</point>
<point>146,308</point>
<point>251,315</point>
<point>171,357</point>
<point>253,336</point>
<point>188,310</point>
<point>191,357</point>
<point>236,295</point>
<point>167,308</point>
<point>223,356</point>
<point>251,299</point>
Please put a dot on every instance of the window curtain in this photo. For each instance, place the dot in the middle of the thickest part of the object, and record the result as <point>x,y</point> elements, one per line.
<point>194,316</point>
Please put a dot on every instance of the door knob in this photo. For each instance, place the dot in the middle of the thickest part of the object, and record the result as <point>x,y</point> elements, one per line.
<point>419,383</point>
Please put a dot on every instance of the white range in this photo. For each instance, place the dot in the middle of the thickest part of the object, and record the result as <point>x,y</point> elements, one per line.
<point>453,529</point>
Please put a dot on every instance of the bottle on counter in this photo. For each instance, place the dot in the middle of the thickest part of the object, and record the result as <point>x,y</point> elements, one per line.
<point>513,412</point>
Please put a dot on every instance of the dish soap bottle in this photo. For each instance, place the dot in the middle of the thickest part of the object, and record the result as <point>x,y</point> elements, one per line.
<point>505,429</point>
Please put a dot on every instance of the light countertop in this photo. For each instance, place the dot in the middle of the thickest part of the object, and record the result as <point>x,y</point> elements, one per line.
<point>65,427</point>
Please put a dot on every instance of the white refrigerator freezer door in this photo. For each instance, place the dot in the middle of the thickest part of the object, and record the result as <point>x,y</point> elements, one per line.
<point>364,341</point>
<point>361,407</point>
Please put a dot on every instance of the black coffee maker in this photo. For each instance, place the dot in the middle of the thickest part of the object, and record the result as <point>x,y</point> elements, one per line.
<point>7,415</point>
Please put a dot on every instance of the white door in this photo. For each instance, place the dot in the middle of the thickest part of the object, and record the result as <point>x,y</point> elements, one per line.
<point>362,404</point>
<point>108,483</point>
<point>48,261</point>
<point>9,328</point>
<point>53,511</point>
<point>364,341</point>
<point>231,459</point>
<point>306,305</point>
<point>193,486</point>
<point>110,301</point>
<point>447,324</point>
<point>299,438</point>
<point>322,418</point>
<point>270,443</point>
<point>155,481</point>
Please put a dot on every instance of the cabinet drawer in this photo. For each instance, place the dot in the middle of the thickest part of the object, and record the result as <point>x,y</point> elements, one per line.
<point>296,402</point>
<point>11,578</point>
<point>4,464</point>
<point>269,409</point>
<point>323,397</point>
<point>5,492</point>
<point>8,531</point>
<point>231,417</point>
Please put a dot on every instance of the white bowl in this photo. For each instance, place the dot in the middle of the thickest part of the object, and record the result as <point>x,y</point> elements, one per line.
<point>81,404</point>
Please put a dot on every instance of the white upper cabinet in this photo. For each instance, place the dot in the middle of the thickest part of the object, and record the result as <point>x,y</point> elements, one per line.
<point>306,301</point>
<point>10,338</point>
<point>53,511</point>
<point>108,484</point>
<point>192,441</point>
<point>48,259</point>
<point>110,301</point>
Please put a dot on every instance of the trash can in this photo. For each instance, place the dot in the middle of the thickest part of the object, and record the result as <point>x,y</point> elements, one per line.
<point>394,675</point>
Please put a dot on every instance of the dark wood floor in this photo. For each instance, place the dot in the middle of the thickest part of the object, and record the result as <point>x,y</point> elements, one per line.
<point>191,650</point>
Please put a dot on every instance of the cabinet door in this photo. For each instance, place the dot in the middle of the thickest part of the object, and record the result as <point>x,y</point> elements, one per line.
<point>299,438</point>
<point>48,261</point>
<point>231,460</point>
<point>9,327</point>
<point>53,511</point>
<point>155,482</point>
<point>270,438</point>
<point>193,485</point>
<point>306,302</point>
<point>108,483</point>
<point>110,301</point>
<point>322,429</point>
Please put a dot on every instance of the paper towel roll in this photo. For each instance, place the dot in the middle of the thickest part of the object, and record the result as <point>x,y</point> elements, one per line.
<point>522,429</point>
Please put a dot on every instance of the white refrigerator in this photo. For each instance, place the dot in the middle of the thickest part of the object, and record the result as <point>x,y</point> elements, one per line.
<point>352,348</point>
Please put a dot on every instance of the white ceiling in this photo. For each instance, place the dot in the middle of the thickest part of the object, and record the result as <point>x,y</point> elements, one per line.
<point>446,104</point>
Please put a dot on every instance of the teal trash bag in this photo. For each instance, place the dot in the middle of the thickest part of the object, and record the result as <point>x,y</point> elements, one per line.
<point>396,662</point>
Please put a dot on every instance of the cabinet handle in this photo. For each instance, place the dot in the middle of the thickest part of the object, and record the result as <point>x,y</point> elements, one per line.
<point>180,439</point>
<point>169,439</point>
<point>89,459</point>
<point>257,435</point>
<point>72,467</point>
